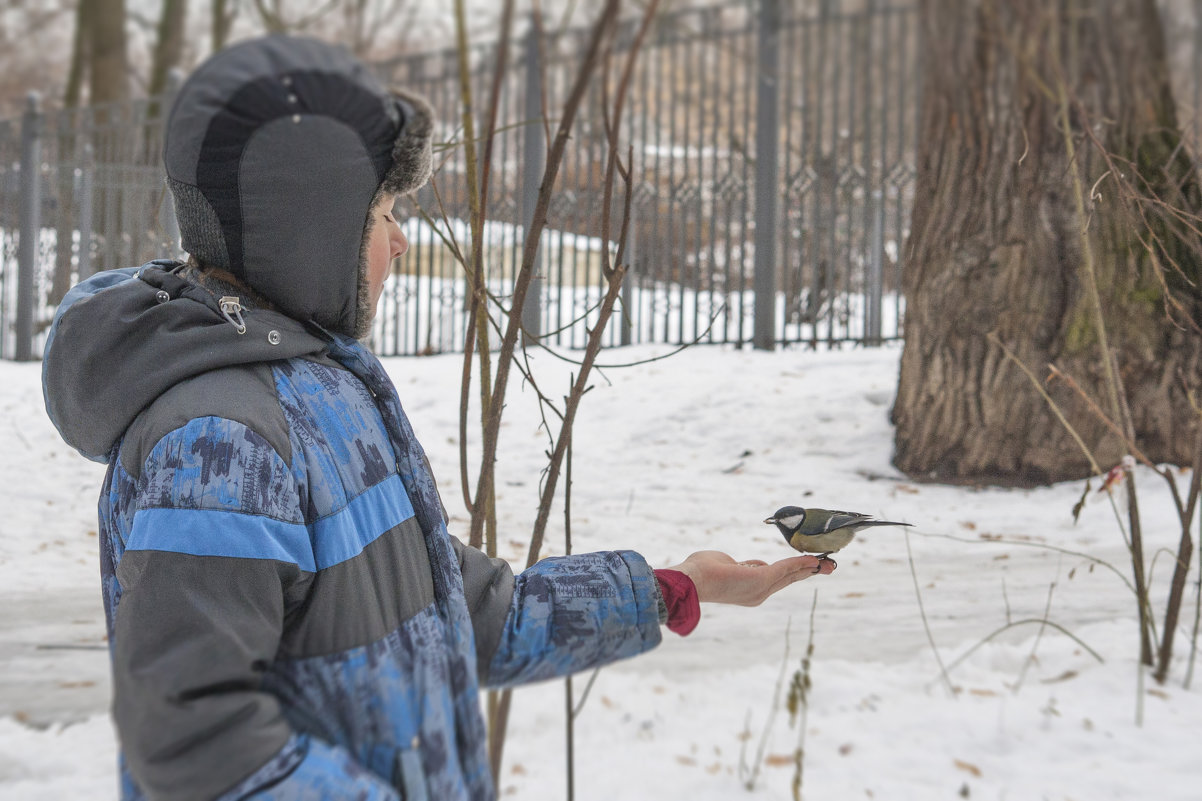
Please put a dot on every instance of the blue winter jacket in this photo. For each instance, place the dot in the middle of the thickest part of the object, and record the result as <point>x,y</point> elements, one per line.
<point>288,617</point>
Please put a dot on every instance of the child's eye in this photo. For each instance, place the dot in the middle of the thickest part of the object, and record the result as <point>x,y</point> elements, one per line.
<point>388,218</point>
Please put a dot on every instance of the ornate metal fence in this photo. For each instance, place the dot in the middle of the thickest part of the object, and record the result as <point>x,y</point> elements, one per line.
<point>773,157</point>
<point>836,82</point>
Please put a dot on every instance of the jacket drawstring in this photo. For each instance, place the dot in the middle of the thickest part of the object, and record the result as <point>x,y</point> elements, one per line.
<point>231,310</point>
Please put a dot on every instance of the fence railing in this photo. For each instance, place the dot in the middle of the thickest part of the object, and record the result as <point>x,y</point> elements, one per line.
<point>773,173</point>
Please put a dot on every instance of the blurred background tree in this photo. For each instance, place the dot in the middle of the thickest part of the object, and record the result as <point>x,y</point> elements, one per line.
<point>66,49</point>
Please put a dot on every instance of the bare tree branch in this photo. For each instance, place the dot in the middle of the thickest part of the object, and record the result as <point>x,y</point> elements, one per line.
<point>526,273</point>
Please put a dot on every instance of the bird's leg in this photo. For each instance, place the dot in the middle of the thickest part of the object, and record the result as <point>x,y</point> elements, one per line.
<point>826,557</point>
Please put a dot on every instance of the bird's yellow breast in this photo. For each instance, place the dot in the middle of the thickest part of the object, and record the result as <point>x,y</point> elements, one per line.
<point>822,543</point>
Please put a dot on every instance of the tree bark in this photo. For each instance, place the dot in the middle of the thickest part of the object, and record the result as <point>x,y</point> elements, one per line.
<point>109,68</point>
<point>77,71</point>
<point>68,148</point>
<point>997,245</point>
<point>169,45</point>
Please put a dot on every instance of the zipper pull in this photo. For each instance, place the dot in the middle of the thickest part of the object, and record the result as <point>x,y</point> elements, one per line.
<point>231,310</point>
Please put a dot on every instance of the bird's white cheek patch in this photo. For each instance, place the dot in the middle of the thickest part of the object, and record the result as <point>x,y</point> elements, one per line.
<point>792,521</point>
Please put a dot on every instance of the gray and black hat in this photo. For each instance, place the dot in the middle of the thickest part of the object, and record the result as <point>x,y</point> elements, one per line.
<point>275,149</point>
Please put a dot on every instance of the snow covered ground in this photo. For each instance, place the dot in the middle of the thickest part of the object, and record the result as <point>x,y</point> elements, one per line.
<point>680,455</point>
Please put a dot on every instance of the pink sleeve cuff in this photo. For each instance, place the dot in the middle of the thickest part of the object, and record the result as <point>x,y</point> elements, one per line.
<point>680,597</point>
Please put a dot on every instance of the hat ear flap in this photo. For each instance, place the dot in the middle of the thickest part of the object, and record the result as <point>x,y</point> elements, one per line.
<point>412,152</point>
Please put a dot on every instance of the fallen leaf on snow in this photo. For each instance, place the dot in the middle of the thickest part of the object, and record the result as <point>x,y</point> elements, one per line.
<point>778,760</point>
<point>968,767</point>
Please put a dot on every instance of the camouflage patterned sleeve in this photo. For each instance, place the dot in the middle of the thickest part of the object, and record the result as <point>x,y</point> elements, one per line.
<point>572,613</point>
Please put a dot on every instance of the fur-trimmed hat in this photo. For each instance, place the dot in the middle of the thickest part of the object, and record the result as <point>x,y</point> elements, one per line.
<point>275,150</point>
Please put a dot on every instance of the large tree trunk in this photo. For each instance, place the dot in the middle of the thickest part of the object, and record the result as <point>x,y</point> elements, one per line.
<point>168,47</point>
<point>996,242</point>
<point>109,85</point>
<point>109,70</point>
<point>68,153</point>
<point>80,45</point>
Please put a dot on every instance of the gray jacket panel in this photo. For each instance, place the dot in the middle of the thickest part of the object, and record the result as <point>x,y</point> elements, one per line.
<point>488,586</point>
<point>361,600</point>
<point>182,663</point>
<point>244,394</point>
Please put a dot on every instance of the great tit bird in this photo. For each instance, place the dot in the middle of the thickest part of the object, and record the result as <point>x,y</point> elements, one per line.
<point>821,531</point>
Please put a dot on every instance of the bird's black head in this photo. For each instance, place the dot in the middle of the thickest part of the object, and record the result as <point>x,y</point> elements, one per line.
<point>787,519</point>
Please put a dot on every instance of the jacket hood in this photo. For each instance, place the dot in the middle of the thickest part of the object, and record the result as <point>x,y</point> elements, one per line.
<point>123,337</point>
<point>275,149</point>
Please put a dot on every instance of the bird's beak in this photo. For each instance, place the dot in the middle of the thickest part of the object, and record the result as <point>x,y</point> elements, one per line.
<point>770,520</point>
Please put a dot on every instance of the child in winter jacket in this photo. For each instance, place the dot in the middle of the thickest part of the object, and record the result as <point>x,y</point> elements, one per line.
<point>288,617</point>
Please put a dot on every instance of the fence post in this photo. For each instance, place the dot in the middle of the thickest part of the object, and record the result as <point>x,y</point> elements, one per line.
<point>872,310</point>
<point>87,185</point>
<point>767,146</point>
<point>30,225</point>
<point>534,158</point>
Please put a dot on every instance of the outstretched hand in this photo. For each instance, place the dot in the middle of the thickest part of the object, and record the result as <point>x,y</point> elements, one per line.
<point>720,579</point>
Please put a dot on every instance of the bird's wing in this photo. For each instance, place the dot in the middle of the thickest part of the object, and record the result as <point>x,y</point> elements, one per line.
<point>841,519</point>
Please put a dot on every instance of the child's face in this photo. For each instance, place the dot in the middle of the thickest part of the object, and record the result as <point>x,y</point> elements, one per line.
<point>385,243</point>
